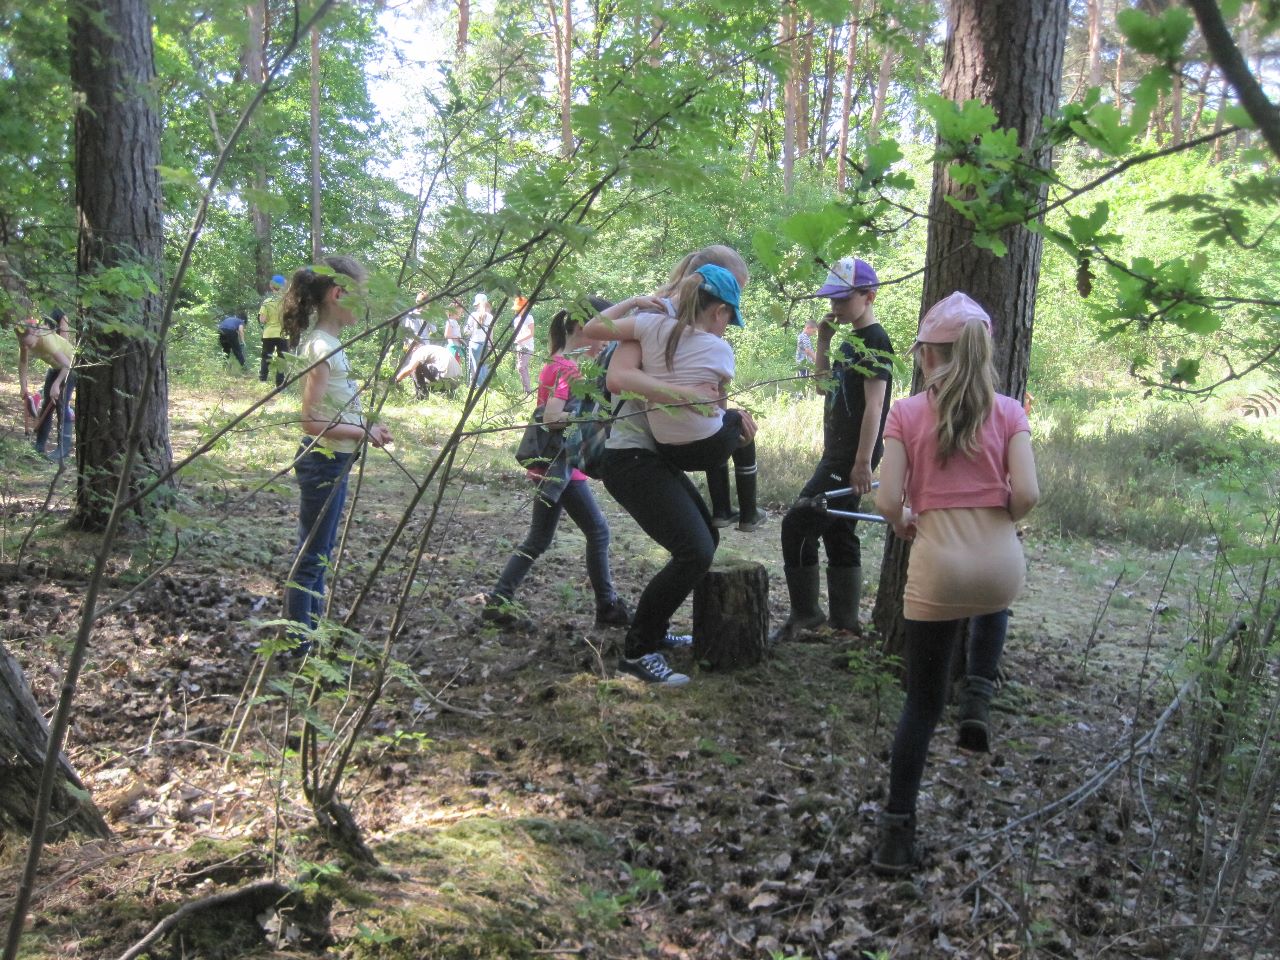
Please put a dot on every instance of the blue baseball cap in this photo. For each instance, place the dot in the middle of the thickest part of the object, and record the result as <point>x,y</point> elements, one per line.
<point>719,282</point>
<point>278,279</point>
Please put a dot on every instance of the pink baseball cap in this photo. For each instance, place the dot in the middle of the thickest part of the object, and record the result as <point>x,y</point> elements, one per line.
<point>846,276</point>
<point>946,319</point>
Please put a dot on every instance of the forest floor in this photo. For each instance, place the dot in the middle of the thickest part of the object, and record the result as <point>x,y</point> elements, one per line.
<point>523,802</point>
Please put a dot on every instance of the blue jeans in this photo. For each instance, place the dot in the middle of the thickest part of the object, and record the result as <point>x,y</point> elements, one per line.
<point>62,412</point>
<point>929,645</point>
<point>577,501</point>
<point>668,507</point>
<point>322,488</point>
<point>479,371</point>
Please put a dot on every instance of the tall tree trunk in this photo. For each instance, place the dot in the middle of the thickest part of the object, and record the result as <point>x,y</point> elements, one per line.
<point>1175,107</point>
<point>882,92</point>
<point>317,244</point>
<point>828,96</point>
<point>117,139</point>
<point>1008,54</point>
<point>804,83</point>
<point>846,102</point>
<point>562,28</point>
<point>24,737</point>
<point>253,59</point>
<point>1095,43</point>
<point>464,28</point>
<point>787,36</point>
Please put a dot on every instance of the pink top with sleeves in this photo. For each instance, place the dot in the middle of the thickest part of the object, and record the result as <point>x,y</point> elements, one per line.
<point>981,480</point>
<point>554,380</point>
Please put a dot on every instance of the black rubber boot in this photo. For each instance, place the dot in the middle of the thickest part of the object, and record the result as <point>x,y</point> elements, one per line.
<point>806,612</point>
<point>749,515</point>
<point>718,492</point>
<point>844,590</point>
<point>895,852</point>
<point>975,703</point>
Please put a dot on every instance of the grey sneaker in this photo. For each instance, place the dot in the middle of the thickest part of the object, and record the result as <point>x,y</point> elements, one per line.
<point>677,641</point>
<point>652,668</point>
<point>753,524</point>
<point>721,522</point>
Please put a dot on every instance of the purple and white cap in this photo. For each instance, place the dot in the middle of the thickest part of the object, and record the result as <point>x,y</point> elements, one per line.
<point>846,276</point>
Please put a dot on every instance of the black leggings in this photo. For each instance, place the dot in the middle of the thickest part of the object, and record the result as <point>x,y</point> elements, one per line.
<point>667,507</point>
<point>929,644</point>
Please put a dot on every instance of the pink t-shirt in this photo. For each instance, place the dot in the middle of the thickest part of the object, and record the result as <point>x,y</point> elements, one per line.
<point>981,480</point>
<point>553,381</point>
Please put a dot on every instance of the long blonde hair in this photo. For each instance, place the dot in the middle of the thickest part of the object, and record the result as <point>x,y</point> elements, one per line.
<point>963,387</point>
<point>684,286</point>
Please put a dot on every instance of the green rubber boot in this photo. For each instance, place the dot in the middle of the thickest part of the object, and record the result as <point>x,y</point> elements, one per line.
<point>806,611</point>
<point>974,707</point>
<point>895,852</point>
<point>844,590</point>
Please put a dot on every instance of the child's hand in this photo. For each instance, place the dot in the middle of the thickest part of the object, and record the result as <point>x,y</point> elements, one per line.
<point>905,529</point>
<point>645,305</point>
<point>379,435</point>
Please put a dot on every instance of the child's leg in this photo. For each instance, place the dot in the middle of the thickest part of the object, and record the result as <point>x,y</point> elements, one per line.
<point>928,648</point>
<point>581,506</point>
<point>718,490</point>
<point>542,531</point>
<point>744,475</point>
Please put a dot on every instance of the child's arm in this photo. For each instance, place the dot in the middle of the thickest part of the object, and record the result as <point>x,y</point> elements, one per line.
<point>1022,476</point>
<point>625,376</point>
<point>874,393</point>
<point>316,424</point>
<point>614,323</point>
<point>889,497</point>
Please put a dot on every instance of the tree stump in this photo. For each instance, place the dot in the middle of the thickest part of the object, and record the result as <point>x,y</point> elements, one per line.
<point>24,737</point>
<point>731,615</point>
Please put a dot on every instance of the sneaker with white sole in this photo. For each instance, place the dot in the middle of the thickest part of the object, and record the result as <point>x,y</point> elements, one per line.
<point>676,641</point>
<point>652,668</point>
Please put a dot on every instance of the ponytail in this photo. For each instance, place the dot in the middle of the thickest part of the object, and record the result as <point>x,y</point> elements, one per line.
<point>963,387</point>
<point>563,325</point>
<point>691,300</point>
<point>307,289</point>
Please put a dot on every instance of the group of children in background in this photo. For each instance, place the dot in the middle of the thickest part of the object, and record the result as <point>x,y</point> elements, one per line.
<point>956,469</point>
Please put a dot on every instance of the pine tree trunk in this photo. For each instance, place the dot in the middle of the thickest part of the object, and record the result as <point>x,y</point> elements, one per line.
<point>117,136</point>
<point>731,615</point>
<point>254,62</point>
<point>317,243</point>
<point>24,737</point>
<point>788,40</point>
<point>846,102</point>
<point>1008,54</point>
<point>464,27</point>
<point>882,92</point>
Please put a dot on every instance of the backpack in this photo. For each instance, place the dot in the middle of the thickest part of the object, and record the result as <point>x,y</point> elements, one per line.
<point>593,421</point>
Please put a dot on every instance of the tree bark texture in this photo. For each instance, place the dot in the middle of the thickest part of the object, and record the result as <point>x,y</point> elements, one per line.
<point>317,243</point>
<point>787,37</point>
<point>24,737</point>
<point>846,102</point>
<point>1007,54</point>
<point>117,138</point>
<point>731,615</point>
<point>253,60</point>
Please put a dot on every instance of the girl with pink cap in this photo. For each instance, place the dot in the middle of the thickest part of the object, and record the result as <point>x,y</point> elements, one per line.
<point>957,474</point>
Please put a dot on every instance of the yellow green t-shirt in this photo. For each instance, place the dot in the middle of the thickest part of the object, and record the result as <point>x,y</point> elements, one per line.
<point>269,314</point>
<point>49,345</point>
<point>341,400</point>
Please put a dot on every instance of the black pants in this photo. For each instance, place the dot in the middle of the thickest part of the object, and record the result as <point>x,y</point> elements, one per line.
<point>229,340</point>
<point>929,647</point>
<point>272,346</point>
<point>801,529</point>
<point>667,507</point>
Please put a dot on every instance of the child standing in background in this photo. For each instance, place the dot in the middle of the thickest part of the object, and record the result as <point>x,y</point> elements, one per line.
<point>317,307</point>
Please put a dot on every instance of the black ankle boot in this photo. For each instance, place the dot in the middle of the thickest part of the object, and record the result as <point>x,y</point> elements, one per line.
<point>895,853</point>
<point>974,707</point>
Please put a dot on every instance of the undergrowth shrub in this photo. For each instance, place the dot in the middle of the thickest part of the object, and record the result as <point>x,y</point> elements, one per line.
<point>1141,481</point>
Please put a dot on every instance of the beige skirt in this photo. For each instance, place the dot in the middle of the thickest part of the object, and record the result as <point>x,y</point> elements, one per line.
<point>964,562</point>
